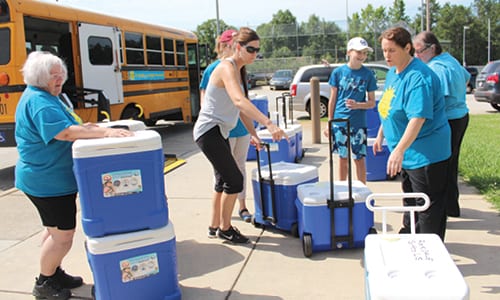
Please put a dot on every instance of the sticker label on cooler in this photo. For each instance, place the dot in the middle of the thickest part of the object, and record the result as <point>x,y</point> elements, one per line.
<point>274,147</point>
<point>121,183</point>
<point>139,267</point>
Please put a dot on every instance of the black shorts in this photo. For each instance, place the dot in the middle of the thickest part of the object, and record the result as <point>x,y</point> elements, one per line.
<point>57,212</point>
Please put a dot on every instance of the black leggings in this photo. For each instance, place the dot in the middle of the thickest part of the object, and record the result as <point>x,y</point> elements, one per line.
<point>458,128</point>
<point>431,180</point>
<point>228,177</point>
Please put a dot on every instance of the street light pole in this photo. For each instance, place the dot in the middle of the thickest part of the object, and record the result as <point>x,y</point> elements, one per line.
<point>217,10</point>
<point>463,47</point>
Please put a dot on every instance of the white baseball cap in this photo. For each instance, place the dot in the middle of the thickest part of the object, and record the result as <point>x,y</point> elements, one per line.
<point>358,44</point>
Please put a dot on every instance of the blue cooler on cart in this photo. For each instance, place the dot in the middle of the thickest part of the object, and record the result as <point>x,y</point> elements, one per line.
<point>409,266</point>
<point>262,104</point>
<point>372,121</point>
<point>282,150</point>
<point>314,216</point>
<point>121,183</point>
<point>376,165</point>
<point>297,129</point>
<point>275,191</point>
<point>136,265</point>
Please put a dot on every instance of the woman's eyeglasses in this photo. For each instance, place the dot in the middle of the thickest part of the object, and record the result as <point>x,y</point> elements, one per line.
<point>251,49</point>
<point>427,46</point>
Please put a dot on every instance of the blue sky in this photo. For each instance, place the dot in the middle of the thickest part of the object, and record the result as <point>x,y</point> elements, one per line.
<point>187,14</point>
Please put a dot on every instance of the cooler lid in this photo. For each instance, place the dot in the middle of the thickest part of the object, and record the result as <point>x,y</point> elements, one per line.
<point>286,173</point>
<point>142,140</point>
<point>131,240</point>
<point>265,134</point>
<point>316,194</point>
<point>417,266</point>
<point>132,125</point>
<point>258,97</point>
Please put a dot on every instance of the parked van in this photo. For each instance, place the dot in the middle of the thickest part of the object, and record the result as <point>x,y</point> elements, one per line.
<point>301,87</point>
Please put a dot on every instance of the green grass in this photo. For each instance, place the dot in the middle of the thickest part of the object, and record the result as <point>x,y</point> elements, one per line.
<point>480,158</point>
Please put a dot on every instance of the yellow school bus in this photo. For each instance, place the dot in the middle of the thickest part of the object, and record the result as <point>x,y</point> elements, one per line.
<point>117,68</point>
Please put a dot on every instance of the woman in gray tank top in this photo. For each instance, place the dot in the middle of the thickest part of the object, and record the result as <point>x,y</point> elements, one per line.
<point>224,101</point>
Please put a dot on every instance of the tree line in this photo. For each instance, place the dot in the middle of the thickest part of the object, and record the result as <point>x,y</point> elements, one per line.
<point>476,27</point>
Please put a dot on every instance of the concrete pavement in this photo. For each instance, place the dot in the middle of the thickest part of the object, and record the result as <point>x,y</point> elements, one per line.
<point>273,265</point>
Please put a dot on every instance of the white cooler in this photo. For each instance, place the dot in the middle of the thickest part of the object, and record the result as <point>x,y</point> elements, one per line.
<point>409,266</point>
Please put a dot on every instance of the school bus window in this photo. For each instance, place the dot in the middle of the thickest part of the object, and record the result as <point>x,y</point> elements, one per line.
<point>134,48</point>
<point>181,54</point>
<point>4,46</point>
<point>153,46</point>
<point>168,47</point>
<point>100,51</point>
<point>4,12</point>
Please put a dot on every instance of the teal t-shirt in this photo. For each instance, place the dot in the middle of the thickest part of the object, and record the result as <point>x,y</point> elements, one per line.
<point>416,93</point>
<point>45,165</point>
<point>352,84</point>
<point>453,77</point>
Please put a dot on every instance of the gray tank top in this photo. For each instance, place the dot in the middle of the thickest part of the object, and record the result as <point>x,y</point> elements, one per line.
<point>217,110</point>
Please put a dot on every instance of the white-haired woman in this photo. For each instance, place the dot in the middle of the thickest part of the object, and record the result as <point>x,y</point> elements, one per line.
<point>45,130</point>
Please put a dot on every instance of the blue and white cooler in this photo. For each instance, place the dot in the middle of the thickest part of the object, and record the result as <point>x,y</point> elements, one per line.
<point>376,165</point>
<point>282,150</point>
<point>262,104</point>
<point>136,265</point>
<point>121,183</point>
<point>372,121</point>
<point>297,128</point>
<point>286,177</point>
<point>314,218</point>
<point>409,266</point>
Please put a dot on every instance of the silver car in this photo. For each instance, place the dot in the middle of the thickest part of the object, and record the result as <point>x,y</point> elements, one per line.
<point>301,87</point>
<point>281,80</point>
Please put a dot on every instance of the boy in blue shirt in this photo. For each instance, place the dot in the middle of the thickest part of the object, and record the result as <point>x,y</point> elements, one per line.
<point>350,86</point>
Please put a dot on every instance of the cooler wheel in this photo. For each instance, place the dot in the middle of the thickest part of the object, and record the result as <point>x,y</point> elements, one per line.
<point>256,224</point>
<point>307,244</point>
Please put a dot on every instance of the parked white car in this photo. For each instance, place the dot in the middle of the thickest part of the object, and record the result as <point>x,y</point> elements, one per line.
<point>301,87</point>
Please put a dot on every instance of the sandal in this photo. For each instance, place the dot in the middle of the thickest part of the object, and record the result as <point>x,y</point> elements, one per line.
<point>245,217</point>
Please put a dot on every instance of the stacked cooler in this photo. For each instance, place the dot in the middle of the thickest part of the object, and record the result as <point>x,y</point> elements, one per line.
<point>286,150</point>
<point>376,165</point>
<point>130,242</point>
<point>262,104</point>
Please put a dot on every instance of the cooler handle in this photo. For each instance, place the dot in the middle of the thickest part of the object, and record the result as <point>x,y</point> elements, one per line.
<point>385,209</point>
<point>273,218</point>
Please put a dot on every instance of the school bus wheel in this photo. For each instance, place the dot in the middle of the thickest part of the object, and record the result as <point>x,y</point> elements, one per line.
<point>132,112</point>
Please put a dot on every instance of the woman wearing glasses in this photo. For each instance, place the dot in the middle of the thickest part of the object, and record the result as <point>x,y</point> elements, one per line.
<point>224,100</point>
<point>454,78</point>
<point>414,123</point>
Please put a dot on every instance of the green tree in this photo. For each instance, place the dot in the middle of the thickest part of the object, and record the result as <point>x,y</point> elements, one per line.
<point>207,33</point>
<point>397,13</point>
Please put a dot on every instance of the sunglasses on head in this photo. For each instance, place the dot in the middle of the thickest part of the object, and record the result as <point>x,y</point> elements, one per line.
<point>251,49</point>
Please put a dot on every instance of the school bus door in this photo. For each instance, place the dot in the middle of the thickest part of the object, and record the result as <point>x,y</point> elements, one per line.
<point>99,52</point>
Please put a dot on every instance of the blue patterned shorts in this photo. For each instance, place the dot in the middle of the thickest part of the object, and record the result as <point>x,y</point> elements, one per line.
<point>358,141</point>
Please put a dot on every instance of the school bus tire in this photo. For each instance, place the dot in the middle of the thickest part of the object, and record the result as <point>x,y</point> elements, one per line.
<point>132,112</point>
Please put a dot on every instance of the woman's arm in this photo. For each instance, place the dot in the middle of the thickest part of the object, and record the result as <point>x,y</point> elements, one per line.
<point>90,131</point>
<point>395,161</point>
